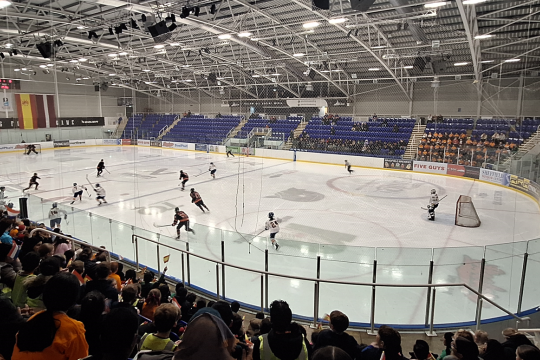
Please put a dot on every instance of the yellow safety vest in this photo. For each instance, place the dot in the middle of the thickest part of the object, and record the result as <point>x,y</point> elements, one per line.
<point>266,353</point>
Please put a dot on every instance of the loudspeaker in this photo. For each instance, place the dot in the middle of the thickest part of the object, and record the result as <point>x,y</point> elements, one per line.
<point>312,74</point>
<point>438,66</point>
<point>420,64</point>
<point>96,87</point>
<point>212,77</point>
<point>45,49</point>
<point>23,206</point>
<point>361,5</point>
<point>158,29</point>
<point>322,4</point>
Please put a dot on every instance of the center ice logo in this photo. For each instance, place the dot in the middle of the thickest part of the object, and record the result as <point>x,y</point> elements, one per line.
<point>299,195</point>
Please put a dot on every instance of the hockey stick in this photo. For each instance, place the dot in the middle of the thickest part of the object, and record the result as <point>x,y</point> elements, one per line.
<point>107,170</point>
<point>89,195</point>
<point>441,199</point>
<point>92,186</point>
<point>159,226</point>
<point>201,173</point>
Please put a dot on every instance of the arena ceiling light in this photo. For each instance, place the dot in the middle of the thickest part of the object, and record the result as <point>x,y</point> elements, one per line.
<point>16,69</point>
<point>512,60</point>
<point>299,54</point>
<point>487,61</point>
<point>83,59</point>
<point>188,80</point>
<point>81,27</point>
<point>337,20</point>
<point>483,36</point>
<point>472,2</point>
<point>50,64</point>
<point>159,46</point>
<point>256,76</point>
<point>174,44</point>
<point>374,69</point>
<point>74,61</point>
<point>113,55</point>
<point>4,4</point>
<point>408,67</point>
<point>244,34</point>
<point>461,63</point>
<point>43,66</point>
<point>435,4</point>
<point>146,70</point>
<point>8,45</point>
<point>224,36</point>
<point>122,53</point>
<point>311,25</point>
<point>112,74</point>
<point>379,47</point>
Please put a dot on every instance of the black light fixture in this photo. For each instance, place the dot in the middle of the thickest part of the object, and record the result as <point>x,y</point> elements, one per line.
<point>173,18</point>
<point>92,34</point>
<point>134,24</point>
<point>58,43</point>
<point>349,33</point>
<point>123,26</point>
<point>117,30</point>
<point>2,55</point>
<point>213,9</point>
<point>188,53</point>
<point>110,31</point>
<point>172,27</point>
<point>196,10</point>
<point>143,18</point>
<point>185,12</point>
<point>15,51</point>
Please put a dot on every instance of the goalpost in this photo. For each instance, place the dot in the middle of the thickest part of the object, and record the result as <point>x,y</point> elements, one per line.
<point>466,215</point>
<point>37,147</point>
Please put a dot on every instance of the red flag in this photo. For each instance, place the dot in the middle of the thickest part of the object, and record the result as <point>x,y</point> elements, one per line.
<point>79,276</point>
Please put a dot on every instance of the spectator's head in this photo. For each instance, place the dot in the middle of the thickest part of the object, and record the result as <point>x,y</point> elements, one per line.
<point>224,310</point>
<point>45,250</point>
<point>60,293</point>
<point>119,333</point>
<point>448,338</point>
<point>85,255</point>
<point>178,286</point>
<point>154,297</point>
<point>129,293</point>
<point>237,325</point>
<point>480,337</point>
<point>235,306</point>
<point>69,254</point>
<point>260,315</point>
<point>92,306</point>
<point>280,315</point>
<point>494,350</point>
<point>165,292</point>
<point>181,293</point>
<point>101,256</point>
<point>191,297</point>
<point>30,262</point>
<point>339,322</point>
<point>49,266</point>
<point>330,353</point>
<point>527,352</point>
<point>131,275</point>
<point>148,277</point>
<point>465,349</point>
<point>114,267</point>
<point>421,350</point>
<point>201,304</point>
<point>61,259</point>
<point>78,266</point>
<point>210,303</point>
<point>103,271</point>
<point>166,316</point>
<point>508,332</point>
<point>389,340</point>
<point>464,333</point>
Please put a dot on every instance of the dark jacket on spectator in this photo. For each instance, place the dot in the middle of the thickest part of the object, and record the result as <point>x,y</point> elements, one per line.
<point>343,341</point>
<point>512,344</point>
<point>105,287</point>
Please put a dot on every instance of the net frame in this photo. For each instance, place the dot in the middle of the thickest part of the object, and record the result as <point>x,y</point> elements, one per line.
<point>471,215</point>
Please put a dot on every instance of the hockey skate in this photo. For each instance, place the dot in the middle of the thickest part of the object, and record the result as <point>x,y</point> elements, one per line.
<point>277,246</point>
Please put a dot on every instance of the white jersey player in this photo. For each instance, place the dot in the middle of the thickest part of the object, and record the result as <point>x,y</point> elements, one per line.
<point>212,170</point>
<point>100,194</point>
<point>433,204</point>
<point>77,192</point>
<point>273,226</point>
<point>55,216</point>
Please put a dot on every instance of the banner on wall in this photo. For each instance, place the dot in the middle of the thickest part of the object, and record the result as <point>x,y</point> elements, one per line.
<point>35,111</point>
<point>77,143</point>
<point>247,151</point>
<point>463,170</point>
<point>112,142</point>
<point>495,177</point>
<point>81,121</point>
<point>201,147</point>
<point>7,102</point>
<point>167,144</point>
<point>179,145</point>
<point>143,142</point>
<point>525,185</point>
<point>399,164</point>
<point>155,143</point>
<point>429,167</point>
<point>126,141</point>
<point>213,148</point>
<point>61,143</point>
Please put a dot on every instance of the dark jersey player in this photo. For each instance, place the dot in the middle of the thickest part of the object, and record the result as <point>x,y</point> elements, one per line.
<point>197,200</point>
<point>182,219</point>
<point>33,181</point>
<point>30,148</point>
<point>184,177</point>
<point>100,167</point>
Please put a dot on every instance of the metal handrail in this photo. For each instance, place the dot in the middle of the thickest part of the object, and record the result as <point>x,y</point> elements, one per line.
<point>318,280</point>
<point>72,240</point>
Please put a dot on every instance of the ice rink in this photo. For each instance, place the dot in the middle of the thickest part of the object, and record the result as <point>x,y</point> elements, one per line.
<point>349,220</point>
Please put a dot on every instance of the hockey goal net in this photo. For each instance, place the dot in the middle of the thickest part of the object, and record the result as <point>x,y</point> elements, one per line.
<point>30,147</point>
<point>466,215</point>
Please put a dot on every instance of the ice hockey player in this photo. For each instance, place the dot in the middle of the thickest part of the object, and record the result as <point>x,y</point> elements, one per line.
<point>212,170</point>
<point>55,216</point>
<point>77,192</point>
<point>348,167</point>
<point>229,152</point>
<point>3,198</point>
<point>30,148</point>
<point>433,204</point>
<point>273,226</point>
<point>33,181</point>
<point>184,177</point>
<point>197,200</point>
<point>182,220</point>
<point>100,167</point>
<point>100,194</point>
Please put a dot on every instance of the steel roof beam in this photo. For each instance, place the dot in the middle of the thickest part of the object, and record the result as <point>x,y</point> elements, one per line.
<point>468,17</point>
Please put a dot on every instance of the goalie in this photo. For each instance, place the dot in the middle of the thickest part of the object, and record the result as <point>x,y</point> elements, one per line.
<point>433,204</point>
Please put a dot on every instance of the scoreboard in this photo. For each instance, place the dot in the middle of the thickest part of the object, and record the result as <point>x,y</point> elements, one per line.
<point>10,84</point>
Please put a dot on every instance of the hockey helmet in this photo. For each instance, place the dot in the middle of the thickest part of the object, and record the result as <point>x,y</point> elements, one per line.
<point>97,185</point>
<point>176,209</point>
<point>74,184</point>
<point>2,188</point>
<point>270,215</point>
<point>54,205</point>
<point>192,189</point>
<point>101,159</point>
<point>433,191</point>
<point>35,174</point>
<point>211,163</point>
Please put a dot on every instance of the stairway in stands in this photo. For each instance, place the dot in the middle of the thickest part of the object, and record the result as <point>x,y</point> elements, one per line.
<point>416,136</point>
<point>120,128</point>
<point>299,129</point>
<point>531,145</point>
<point>236,129</point>
<point>176,121</point>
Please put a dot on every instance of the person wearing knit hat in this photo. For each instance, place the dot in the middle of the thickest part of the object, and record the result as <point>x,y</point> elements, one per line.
<point>465,349</point>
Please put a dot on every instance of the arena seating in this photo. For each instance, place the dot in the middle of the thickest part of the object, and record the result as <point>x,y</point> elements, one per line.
<point>386,137</point>
<point>132,125</point>
<point>198,129</point>
<point>281,129</point>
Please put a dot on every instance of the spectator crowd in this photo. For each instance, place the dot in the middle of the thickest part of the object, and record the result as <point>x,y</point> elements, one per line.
<point>58,303</point>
